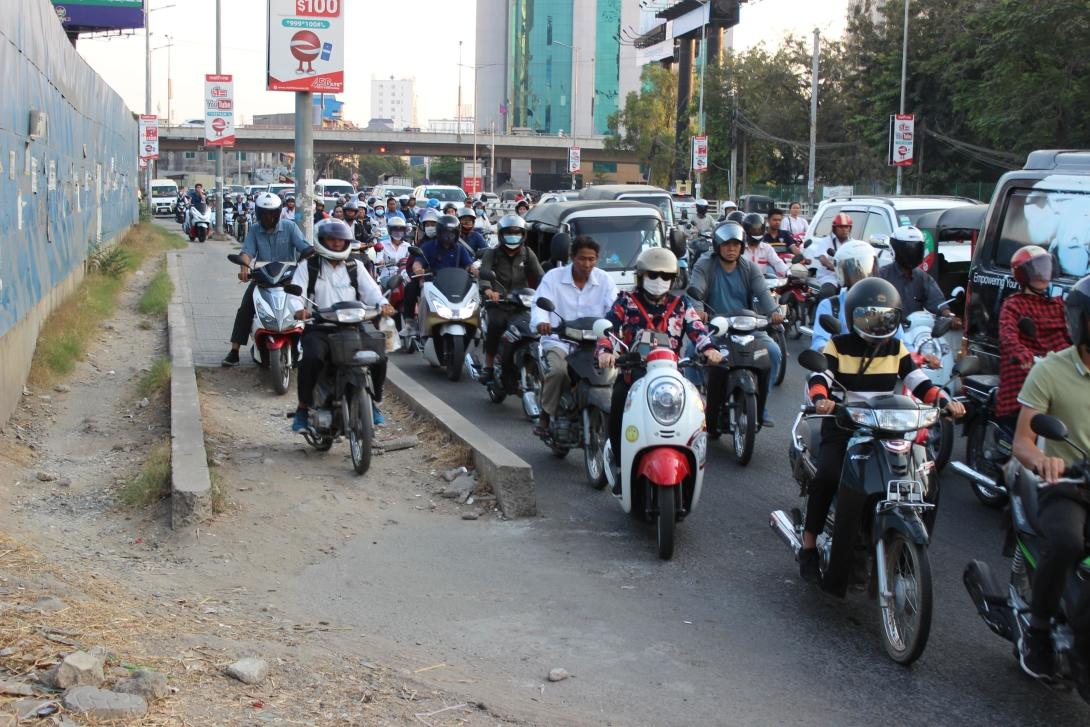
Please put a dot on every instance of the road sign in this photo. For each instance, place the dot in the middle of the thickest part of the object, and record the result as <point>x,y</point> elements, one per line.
<point>700,153</point>
<point>219,110</point>
<point>575,160</point>
<point>149,136</point>
<point>305,48</point>
<point>902,132</point>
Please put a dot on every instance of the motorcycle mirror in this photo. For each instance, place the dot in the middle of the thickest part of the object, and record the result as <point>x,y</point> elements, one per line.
<point>602,327</point>
<point>967,366</point>
<point>545,304</point>
<point>392,282</point>
<point>414,250</point>
<point>236,259</point>
<point>827,290</point>
<point>957,292</point>
<point>292,289</point>
<point>797,259</point>
<point>560,248</point>
<point>1027,327</point>
<point>679,244</point>
<point>942,325</point>
<point>812,360</point>
<point>1049,427</point>
<point>378,247</point>
<point>831,325</point>
<point>693,292</point>
<point>720,325</point>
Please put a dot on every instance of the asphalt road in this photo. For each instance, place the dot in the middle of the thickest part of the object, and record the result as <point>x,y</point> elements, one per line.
<point>726,632</point>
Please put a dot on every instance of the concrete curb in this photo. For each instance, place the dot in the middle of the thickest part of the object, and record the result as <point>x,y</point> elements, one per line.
<point>191,485</point>
<point>511,477</point>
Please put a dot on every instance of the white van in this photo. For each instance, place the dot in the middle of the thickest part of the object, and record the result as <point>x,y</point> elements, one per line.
<point>164,195</point>
<point>331,190</point>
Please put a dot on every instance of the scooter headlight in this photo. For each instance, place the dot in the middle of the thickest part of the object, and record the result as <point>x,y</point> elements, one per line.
<point>666,398</point>
<point>442,311</point>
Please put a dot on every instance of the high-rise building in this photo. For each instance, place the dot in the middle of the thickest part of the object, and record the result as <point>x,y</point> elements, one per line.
<point>394,99</point>
<point>553,65</point>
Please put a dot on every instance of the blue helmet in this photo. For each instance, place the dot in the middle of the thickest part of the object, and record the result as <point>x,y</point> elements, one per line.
<point>433,203</point>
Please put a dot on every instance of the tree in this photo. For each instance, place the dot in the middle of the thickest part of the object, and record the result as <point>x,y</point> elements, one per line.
<point>646,124</point>
<point>446,170</point>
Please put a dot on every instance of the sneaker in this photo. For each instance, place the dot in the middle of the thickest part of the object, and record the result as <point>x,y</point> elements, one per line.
<point>767,420</point>
<point>300,422</point>
<point>231,359</point>
<point>376,416</point>
<point>1035,653</point>
<point>809,566</point>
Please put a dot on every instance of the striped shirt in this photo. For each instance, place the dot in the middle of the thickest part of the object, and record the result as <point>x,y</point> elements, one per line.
<point>868,370</point>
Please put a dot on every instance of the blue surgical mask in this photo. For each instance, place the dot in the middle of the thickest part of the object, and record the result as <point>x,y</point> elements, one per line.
<point>380,213</point>
<point>512,240</point>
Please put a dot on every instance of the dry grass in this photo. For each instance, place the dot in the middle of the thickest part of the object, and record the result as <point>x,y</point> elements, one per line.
<point>436,444</point>
<point>155,380</point>
<point>152,483</point>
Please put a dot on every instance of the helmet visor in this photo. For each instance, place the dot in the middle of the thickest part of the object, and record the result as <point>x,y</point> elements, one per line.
<point>876,322</point>
<point>1038,269</point>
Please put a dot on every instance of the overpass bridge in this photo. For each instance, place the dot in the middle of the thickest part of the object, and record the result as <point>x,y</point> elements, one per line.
<point>399,143</point>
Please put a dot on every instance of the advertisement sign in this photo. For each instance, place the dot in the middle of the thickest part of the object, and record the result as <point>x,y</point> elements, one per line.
<point>844,190</point>
<point>472,177</point>
<point>219,110</point>
<point>575,163</point>
<point>902,130</point>
<point>700,153</point>
<point>94,15</point>
<point>305,48</point>
<point>149,137</point>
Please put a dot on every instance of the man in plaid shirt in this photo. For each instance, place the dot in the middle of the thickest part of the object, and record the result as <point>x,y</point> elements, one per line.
<point>1032,269</point>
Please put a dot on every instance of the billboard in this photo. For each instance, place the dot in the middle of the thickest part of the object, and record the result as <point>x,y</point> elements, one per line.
<point>89,16</point>
<point>575,160</point>
<point>700,153</point>
<point>149,137</point>
<point>901,136</point>
<point>219,110</point>
<point>305,46</point>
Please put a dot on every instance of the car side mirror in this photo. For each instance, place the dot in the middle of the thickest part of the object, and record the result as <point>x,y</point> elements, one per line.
<point>292,289</point>
<point>545,304</point>
<point>830,324</point>
<point>679,244</point>
<point>879,240</point>
<point>812,360</point>
<point>942,325</point>
<point>1049,427</point>
<point>602,327</point>
<point>560,248</point>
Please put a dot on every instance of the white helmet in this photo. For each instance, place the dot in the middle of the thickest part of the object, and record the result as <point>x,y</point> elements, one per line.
<point>267,201</point>
<point>338,230</point>
<point>396,222</point>
<point>854,261</point>
<point>729,204</point>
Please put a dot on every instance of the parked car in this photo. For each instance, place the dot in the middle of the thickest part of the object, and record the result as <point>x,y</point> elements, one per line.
<point>441,192</point>
<point>164,195</point>
<point>381,191</point>
<point>637,193</point>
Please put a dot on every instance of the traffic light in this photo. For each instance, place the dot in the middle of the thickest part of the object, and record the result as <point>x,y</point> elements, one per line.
<point>382,150</point>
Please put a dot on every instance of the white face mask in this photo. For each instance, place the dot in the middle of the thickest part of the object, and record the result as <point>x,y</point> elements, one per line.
<point>429,230</point>
<point>656,287</point>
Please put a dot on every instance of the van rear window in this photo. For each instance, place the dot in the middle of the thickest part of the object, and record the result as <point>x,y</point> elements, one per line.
<point>1058,221</point>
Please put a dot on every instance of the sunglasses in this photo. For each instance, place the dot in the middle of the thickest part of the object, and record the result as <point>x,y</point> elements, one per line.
<point>655,275</point>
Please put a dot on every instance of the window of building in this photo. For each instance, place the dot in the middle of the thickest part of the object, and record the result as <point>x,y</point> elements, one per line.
<point>190,155</point>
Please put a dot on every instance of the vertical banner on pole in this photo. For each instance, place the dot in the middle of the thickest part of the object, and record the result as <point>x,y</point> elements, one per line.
<point>700,153</point>
<point>902,130</point>
<point>149,136</point>
<point>306,46</point>
<point>219,110</point>
<point>575,163</point>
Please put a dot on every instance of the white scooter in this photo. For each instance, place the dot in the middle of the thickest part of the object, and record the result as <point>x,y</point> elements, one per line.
<point>664,444</point>
<point>449,316</point>
<point>198,222</point>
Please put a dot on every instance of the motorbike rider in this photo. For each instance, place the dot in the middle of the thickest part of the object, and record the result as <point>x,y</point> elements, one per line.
<point>868,361</point>
<point>468,234</point>
<point>331,277</point>
<point>703,223</point>
<point>521,208</point>
<point>758,251</point>
<point>442,250</point>
<point>796,223</point>
<point>1058,385</point>
<point>197,197</point>
<point>649,307</point>
<point>817,252</point>
<point>319,211</point>
<point>578,289</point>
<point>392,209</point>
<point>408,212</point>
<point>361,230</point>
<point>272,239</point>
<point>779,238</point>
<point>288,213</point>
<point>516,266</point>
<point>338,212</point>
<point>917,289</point>
<point>395,251</point>
<point>726,209</point>
<point>1031,267</point>
<point>728,282</point>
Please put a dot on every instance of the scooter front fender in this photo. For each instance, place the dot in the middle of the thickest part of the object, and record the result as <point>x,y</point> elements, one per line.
<point>903,520</point>
<point>453,329</point>
<point>663,466</point>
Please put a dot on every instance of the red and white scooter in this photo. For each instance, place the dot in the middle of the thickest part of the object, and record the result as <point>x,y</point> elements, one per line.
<point>664,443</point>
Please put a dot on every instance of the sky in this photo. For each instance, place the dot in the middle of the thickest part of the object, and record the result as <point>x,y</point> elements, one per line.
<point>380,43</point>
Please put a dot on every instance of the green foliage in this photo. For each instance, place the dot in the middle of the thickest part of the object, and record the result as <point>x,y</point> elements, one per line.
<point>446,170</point>
<point>646,124</point>
<point>152,483</point>
<point>157,295</point>
<point>156,379</point>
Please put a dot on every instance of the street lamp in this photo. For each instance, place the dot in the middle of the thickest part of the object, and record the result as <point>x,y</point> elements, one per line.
<point>703,67</point>
<point>476,175</point>
<point>170,87</point>
<point>574,96</point>
<point>904,70</point>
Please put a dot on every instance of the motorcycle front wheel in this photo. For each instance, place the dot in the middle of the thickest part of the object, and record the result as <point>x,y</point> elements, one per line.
<point>974,453</point>
<point>940,442</point>
<point>780,337</point>
<point>906,619</point>
<point>280,369</point>
<point>594,462</point>
<point>456,354</point>
<point>743,413</point>
<point>359,421</point>
<point>667,520</point>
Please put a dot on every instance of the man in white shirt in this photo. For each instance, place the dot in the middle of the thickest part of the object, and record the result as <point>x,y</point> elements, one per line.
<point>395,251</point>
<point>820,251</point>
<point>578,290</point>
<point>757,250</point>
<point>328,278</point>
<point>703,223</point>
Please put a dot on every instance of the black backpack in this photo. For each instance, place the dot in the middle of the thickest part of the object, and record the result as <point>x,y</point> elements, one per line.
<point>314,267</point>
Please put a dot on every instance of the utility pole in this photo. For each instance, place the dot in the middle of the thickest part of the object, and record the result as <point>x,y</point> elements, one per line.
<point>813,117</point>
<point>147,96</point>
<point>304,163</point>
<point>219,149</point>
<point>904,72</point>
<point>458,111</point>
<point>703,67</point>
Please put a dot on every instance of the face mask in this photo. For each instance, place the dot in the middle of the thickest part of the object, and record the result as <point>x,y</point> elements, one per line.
<point>656,287</point>
<point>512,240</point>
<point>380,213</point>
<point>396,234</point>
<point>429,231</point>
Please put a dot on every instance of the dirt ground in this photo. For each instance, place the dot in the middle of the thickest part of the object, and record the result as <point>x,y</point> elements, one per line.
<point>189,604</point>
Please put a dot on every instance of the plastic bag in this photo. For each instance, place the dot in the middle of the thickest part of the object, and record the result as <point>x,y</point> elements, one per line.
<point>388,328</point>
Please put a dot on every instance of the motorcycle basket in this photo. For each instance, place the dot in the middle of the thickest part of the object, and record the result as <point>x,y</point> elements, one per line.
<point>344,345</point>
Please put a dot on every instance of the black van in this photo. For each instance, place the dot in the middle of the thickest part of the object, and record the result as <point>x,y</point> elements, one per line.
<point>1045,203</point>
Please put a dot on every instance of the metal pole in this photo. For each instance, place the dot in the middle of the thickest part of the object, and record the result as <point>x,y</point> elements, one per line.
<point>476,171</point>
<point>219,149</point>
<point>458,111</point>
<point>813,117</point>
<point>147,95</point>
<point>703,67</point>
<point>170,80</point>
<point>492,179</point>
<point>574,99</point>
<point>304,163</point>
<point>904,71</point>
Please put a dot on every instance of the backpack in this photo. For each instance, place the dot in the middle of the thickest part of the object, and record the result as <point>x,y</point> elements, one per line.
<point>314,266</point>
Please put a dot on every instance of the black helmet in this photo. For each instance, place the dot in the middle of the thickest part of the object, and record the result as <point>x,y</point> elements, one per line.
<point>448,228</point>
<point>908,247</point>
<point>1077,310</point>
<point>736,216</point>
<point>755,226</point>
<point>727,231</point>
<point>873,309</point>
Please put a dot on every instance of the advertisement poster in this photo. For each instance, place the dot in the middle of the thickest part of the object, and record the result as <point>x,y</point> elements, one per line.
<point>700,153</point>
<point>149,137</point>
<point>305,49</point>
<point>902,130</point>
<point>575,163</point>
<point>100,15</point>
<point>219,110</point>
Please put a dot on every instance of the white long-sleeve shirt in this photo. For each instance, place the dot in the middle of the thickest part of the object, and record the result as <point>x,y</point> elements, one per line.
<point>389,260</point>
<point>593,299</point>
<point>335,286</point>
<point>764,255</point>
<point>820,246</point>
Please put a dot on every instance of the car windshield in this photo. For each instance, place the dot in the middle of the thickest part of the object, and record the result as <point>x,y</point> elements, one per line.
<point>164,190</point>
<point>446,195</point>
<point>622,238</point>
<point>1055,220</point>
<point>332,190</point>
<point>663,202</point>
<point>397,191</point>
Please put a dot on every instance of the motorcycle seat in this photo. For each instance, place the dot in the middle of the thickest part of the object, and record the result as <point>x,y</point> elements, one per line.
<point>982,383</point>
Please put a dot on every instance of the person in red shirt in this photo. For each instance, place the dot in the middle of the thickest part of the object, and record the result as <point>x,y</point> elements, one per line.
<point>1031,267</point>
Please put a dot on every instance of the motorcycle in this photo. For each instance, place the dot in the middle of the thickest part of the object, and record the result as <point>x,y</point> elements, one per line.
<point>1006,611</point>
<point>179,209</point>
<point>242,221</point>
<point>452,303</point>
<point>664,447</point>
<point>878,528</point>
<point>582,418</point>
<point>793,297</point>
<point>778,331</point>
<point>228,217</point>
<point>515,368</point>
<point>198,222</point>
<point>344,393</point>
<point>275,333</point>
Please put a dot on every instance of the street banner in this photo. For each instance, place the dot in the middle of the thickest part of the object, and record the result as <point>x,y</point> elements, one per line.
<point>149,137</point>
<point>575,163</point>
<point>305,48</point>
<point>219,110</point>
<point>902,130</point>
<point>700,153</point>
<point>472,179</point>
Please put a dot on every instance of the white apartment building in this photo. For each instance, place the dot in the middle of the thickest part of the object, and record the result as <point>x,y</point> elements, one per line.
<point>394,98</point>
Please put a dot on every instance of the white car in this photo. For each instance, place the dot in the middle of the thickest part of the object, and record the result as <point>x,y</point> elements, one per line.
<point>441,192</point>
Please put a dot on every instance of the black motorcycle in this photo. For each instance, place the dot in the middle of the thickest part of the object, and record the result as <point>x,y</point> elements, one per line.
<point>1006,610</point>
<point>344,393</point>
<point>582,421</point>
<point>515,370</point>
<point>878,528</point>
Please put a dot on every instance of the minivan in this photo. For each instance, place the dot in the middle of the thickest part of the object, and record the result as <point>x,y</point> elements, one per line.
<point>645,193</point>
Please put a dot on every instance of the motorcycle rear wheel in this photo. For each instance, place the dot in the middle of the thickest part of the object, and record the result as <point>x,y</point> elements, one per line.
<point>974,453</point>
<point>906,623</point>
<point>780,337</point>
<point>594,463</point>
<point>360,425</point>
<point>202,235</point>
<point>667,520</point>
<point>743,414</point>
<point>280,370</point>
